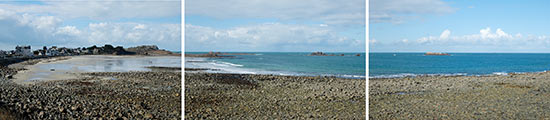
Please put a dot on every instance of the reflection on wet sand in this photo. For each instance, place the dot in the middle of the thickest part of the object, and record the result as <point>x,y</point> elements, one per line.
<point>65,69</point>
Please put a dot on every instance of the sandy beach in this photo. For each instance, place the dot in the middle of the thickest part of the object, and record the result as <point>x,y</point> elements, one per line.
<point>513,96</point>
<point>108,95</point>
<point>247,96</point>
<point>70,67</point>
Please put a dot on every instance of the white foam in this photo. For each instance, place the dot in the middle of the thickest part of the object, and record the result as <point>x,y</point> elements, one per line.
<point>227,67</point>
<point>400,75</point>
<point>228,63</point>
<point>500,73</point>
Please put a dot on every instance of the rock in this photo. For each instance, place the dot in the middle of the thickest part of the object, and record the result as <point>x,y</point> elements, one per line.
<point>148,116</point>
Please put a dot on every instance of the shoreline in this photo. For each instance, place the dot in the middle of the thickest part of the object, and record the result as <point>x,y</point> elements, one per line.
<point>33,70</point>
<point>204,70</point>
<point>411,75</point>
<point>253,96</point>
<point>511,96</point>
<point>218,65</point>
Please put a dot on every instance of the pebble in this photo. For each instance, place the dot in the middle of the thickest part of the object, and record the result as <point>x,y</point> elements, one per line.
<point>93,97</point>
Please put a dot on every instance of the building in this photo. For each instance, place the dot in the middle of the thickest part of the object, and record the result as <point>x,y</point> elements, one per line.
<point>3,54</point>
<point>24,51</point>
<point>53,51</point>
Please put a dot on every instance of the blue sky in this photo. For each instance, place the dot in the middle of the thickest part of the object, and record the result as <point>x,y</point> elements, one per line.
<point>459,26</point>
<point>275,26</point>
<point>92,22</point>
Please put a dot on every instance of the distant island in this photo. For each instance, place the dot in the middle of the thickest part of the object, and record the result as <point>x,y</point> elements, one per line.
<point>435,53</point>
<point>324,54</point>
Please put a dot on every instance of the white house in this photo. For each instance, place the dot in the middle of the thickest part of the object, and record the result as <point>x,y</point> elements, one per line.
<point>23,51</point>
<point>53,51</point>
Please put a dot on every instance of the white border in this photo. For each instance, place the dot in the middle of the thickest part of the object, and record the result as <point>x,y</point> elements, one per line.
<point>367,59</point>
<point>182,59</point>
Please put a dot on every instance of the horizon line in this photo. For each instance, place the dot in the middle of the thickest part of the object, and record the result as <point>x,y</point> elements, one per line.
<point>284,51</point>
<point>455,52</point>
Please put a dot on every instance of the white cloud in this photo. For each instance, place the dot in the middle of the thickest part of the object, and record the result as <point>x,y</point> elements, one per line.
<point>372,41</point>
<point>485,36</point>
<point>397,11</point>
<point>100,9</point>
<point>329,11</point>
<point>139,26</point>
<point>37,30</point>
<point>68,30</point>
<point>445,34</point>
<point>487,40</point>
<point>268,37</point>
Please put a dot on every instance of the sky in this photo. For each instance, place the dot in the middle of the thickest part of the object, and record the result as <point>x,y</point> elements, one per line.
<point>83,23</point>
<point>275,25</point>
<point>487,26</point>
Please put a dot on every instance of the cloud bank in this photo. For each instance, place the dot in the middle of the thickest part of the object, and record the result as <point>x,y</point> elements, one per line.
<point>100,9</point>
<point>39,30</point>
<point>269,37</point>
<point>328,11</point>
<point>486,40</point>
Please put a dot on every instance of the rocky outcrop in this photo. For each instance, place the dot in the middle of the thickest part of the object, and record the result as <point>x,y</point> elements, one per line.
<point>210,54</point>
<point>324,54</point>
<point>435,53</point>
<point>149,50</point>
<point>318,54</point>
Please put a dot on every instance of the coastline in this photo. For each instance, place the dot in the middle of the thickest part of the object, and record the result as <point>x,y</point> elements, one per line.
<point>224,67</point>
<point>126,95</point>
<point>406,75</point>
<point>253,96</point>
<point>510,96</point>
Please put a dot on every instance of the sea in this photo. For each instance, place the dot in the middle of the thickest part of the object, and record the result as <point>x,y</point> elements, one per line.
<point>392,65</point>
<point>284,63</point>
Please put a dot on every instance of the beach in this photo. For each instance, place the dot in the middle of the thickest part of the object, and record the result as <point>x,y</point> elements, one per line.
<point>511,96</point>
<point>153,94</point>
<point>258,96</point>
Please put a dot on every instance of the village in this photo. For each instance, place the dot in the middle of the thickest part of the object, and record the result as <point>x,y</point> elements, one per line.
<point>27,52</point>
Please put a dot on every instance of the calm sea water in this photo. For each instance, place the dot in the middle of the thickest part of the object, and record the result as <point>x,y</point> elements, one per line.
<point>285,63</point>
<point>387,65</point>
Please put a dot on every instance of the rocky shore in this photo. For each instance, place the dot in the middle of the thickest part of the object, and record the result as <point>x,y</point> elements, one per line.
<point>106,95</point>
<point>246,96</point>
<point>513,96</point>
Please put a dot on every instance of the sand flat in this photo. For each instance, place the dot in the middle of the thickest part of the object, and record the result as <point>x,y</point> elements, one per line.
<point>68,68</point>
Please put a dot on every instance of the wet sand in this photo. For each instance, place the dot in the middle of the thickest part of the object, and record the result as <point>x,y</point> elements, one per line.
<point>516,96</point>
<point>69,67</point>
